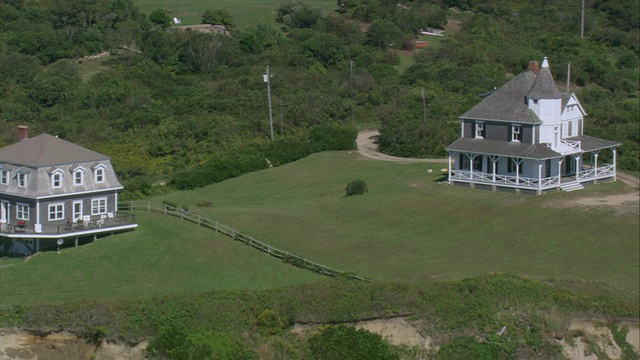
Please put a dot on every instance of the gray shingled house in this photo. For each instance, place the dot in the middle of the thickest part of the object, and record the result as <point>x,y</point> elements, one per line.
<point>52,191</point>
<point>528,136</point>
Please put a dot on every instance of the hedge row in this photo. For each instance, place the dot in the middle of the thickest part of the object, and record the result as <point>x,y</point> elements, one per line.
<point>261,155</point>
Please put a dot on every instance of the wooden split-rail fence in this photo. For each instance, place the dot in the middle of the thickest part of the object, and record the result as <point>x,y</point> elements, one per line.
<point>236,235</point>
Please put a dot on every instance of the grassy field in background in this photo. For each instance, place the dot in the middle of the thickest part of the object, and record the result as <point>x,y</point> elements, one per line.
<point>246,13</point>
<point>163,256</point>
<point>408,227</point>
<point>411,227</point>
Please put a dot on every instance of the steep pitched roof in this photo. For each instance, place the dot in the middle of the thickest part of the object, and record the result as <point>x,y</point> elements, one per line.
<point>507,103</point>
<point>544,87</point>
<point>47,150</point>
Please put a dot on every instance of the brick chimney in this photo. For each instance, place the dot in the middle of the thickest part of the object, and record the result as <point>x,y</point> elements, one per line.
<point>23,132</point>
<point>534,66</point>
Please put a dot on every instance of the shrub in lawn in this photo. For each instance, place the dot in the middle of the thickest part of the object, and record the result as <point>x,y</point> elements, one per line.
<point>356,187</point>
<point>170,203</point>
<point>346,342</point>
<point>204,204</point>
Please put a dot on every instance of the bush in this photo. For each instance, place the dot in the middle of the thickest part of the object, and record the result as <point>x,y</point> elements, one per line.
<point>170,203</point>
<point>270,323</point>
<point>356,187</point>
<point>344,342</point>
<point>180,343</point>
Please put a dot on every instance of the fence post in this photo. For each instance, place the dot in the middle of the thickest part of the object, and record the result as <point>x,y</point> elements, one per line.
<point>182,214</point>
<point>148,206</point>
<point>165,208</point>
<point>233,234</point>
<point>199,220</point>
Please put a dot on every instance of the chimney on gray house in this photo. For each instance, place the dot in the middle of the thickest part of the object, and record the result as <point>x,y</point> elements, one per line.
<point>534,66</point>
<point>23,132</point>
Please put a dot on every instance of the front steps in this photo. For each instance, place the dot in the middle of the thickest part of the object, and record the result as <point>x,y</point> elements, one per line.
<point>572,186</point>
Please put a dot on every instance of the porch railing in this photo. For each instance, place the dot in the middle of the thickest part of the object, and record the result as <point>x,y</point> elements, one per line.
<point>527,182</point>
<point>94,225</point>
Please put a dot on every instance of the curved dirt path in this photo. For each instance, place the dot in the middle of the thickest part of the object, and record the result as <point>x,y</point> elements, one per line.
<point>367,147</point>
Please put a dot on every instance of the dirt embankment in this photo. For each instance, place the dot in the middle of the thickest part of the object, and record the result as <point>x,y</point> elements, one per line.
<point>585,340</point>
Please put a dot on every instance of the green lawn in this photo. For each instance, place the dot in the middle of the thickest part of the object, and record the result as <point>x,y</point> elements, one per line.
<point>246,13</point>
<point>163,256</point>
<point>411,227</point>
<point>408,227</point>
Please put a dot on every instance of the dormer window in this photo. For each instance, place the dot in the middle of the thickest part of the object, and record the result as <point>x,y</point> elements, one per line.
<point>56,179</point>
<point>78,176</point>
<point>516,133</point>
<point>480,132</point>
<point>5,175</point>
<point>99,174</point>
<point>21,179</point>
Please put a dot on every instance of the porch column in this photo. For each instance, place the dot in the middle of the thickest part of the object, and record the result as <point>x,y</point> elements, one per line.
<point>494,161</point>
<point>518,162</point>
<point>115,210</point>
<point>471,158</point>
<point>38,212</point>
<point>449,170</point>
<point>614,164</point>
<point>595,161</point>
<point>539,177</point>
<point>576,157</point>
<point>560,171</point>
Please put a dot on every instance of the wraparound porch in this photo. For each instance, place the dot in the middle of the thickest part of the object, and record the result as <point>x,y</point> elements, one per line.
<point>527,183</point>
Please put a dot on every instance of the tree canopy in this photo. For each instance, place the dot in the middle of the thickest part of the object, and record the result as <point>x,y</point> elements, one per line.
<point>165,103</point>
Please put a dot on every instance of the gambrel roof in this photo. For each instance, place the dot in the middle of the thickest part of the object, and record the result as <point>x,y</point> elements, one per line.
<point>47,150</point>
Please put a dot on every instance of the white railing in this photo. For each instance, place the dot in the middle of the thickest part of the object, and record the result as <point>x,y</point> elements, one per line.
<point>527,182</point>
<point>574,144</point>
<point>481,177</point>
<point>566,146</point>
<point>595,173</point>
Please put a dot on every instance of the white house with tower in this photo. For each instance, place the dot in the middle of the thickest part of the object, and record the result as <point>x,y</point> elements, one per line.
<point>529,136</point>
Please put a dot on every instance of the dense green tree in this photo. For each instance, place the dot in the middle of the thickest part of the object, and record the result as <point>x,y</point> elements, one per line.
<point>298,15</point>
<point>384,34</point>
<point>218,17</point>
<point>161,17</point>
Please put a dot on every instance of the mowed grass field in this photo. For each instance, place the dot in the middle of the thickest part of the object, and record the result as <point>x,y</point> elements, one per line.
<point>245,13</point>
<point>410,227</point>
<point>163,256</point>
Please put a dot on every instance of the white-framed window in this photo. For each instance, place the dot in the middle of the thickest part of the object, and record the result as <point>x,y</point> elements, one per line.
<point>5,175</point>
<point>516,133</point>
<point>56,179</point>
<point>98,206</point>
<point>77,210</point>
<point>480,132</point>
<point>78,177</point>
<point>21,178</point>
<point>56,211</point>
<point>99,174</point>
<point>22,211</point>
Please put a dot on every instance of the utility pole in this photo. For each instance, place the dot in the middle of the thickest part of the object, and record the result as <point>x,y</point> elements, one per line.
<point>568,75</point>
<point>281,116</point>
<point>351,87</point>
<point>582,22</point>
<point>267,79</point>
<point>424,109</point>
